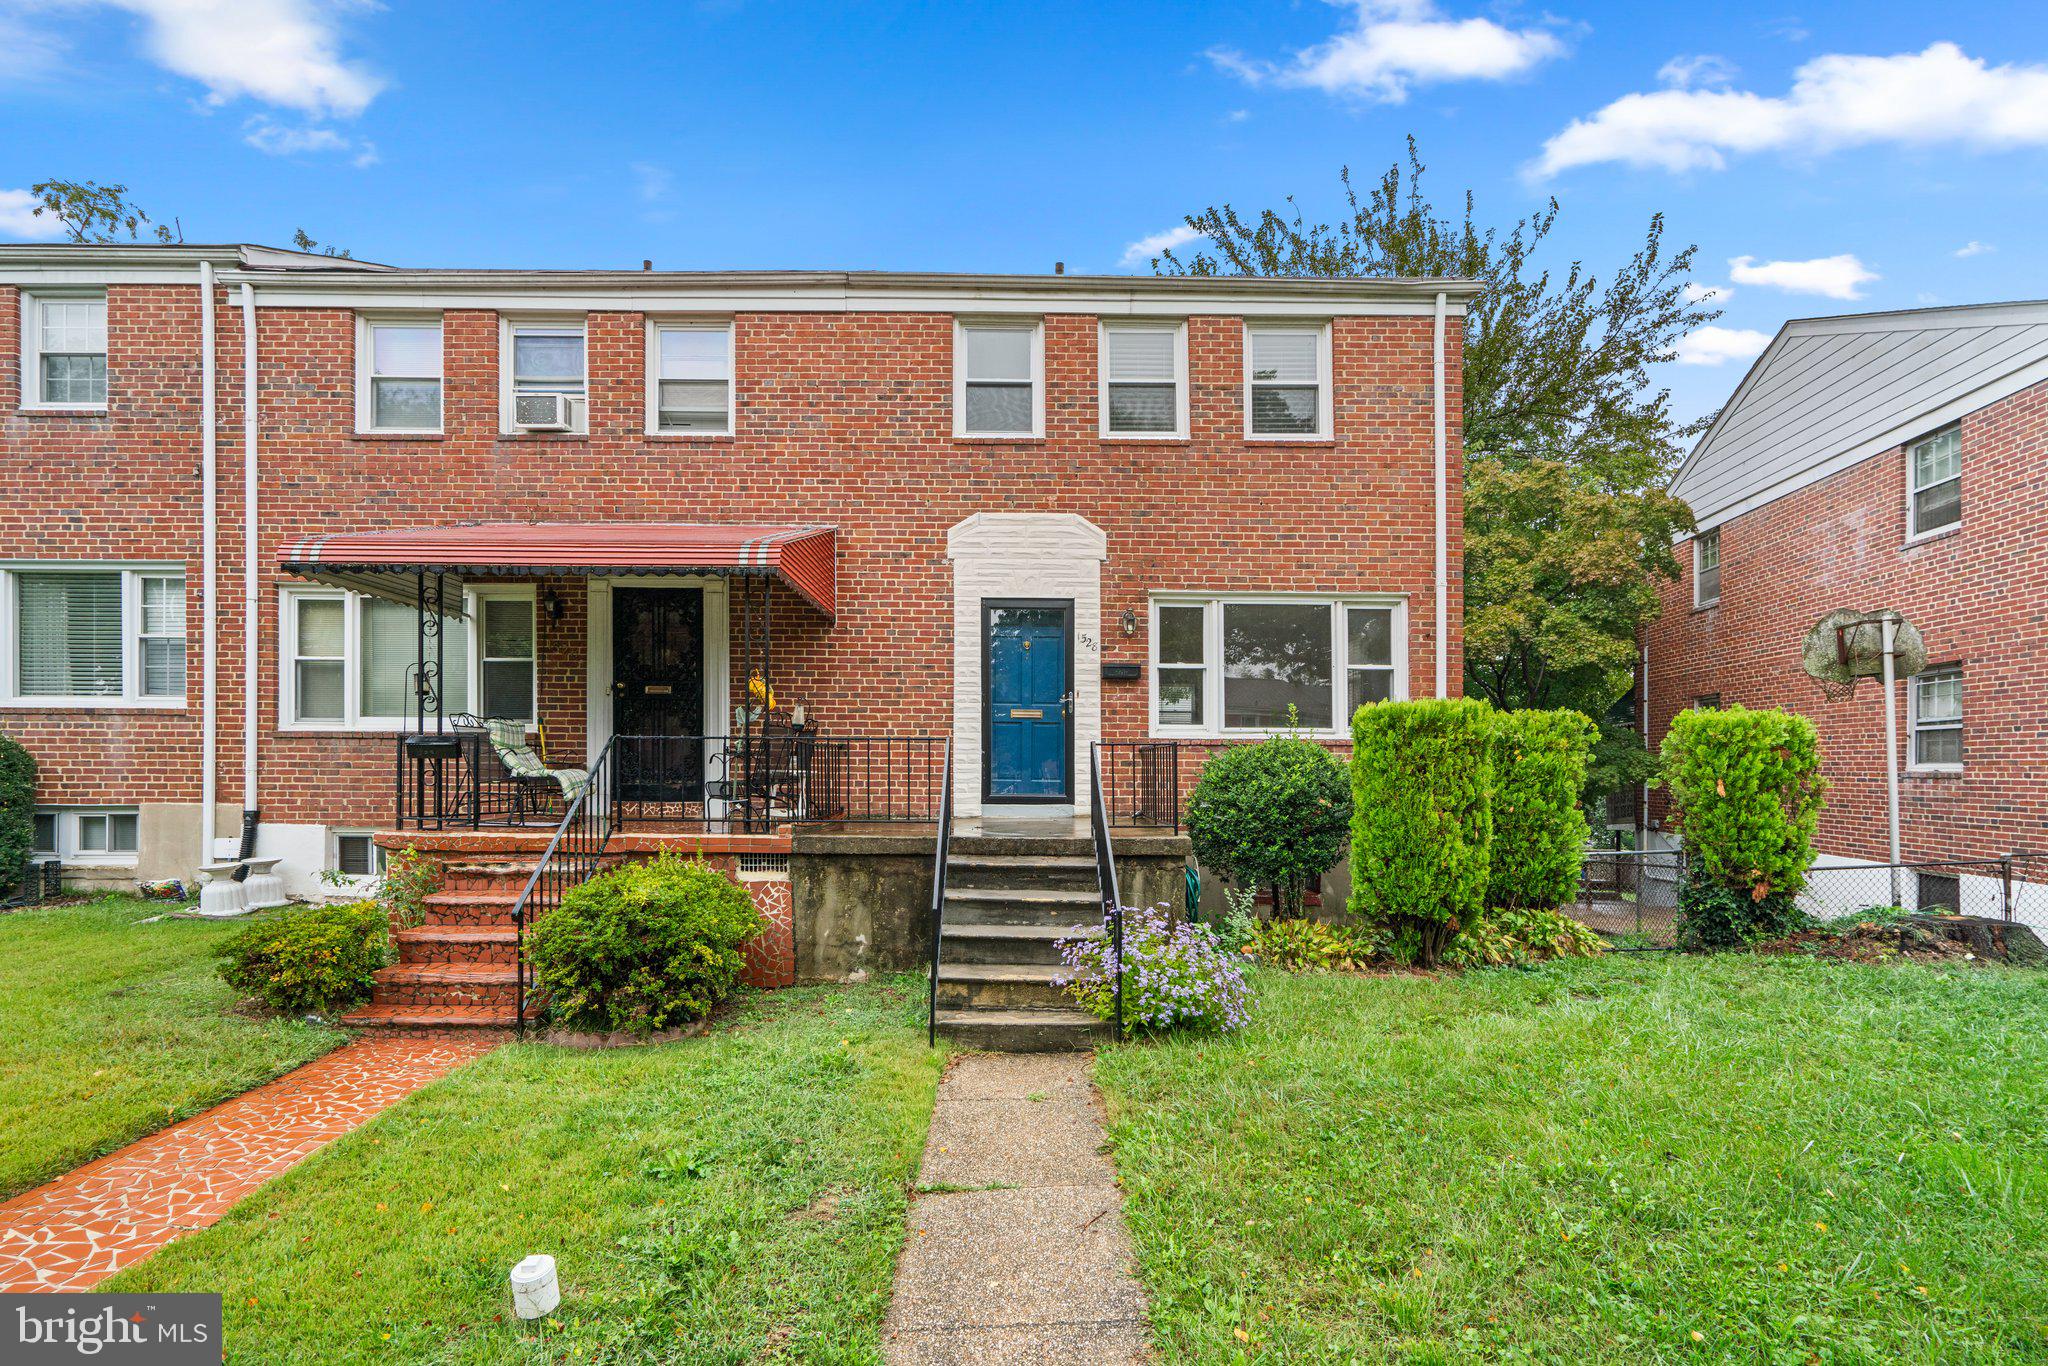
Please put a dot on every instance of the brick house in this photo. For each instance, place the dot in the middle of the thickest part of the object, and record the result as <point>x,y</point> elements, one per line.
<point>1887,460</point>
<point>1200,501</point>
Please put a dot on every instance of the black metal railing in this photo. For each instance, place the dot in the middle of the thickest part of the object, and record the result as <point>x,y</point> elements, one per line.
<point>1105,877</point>
<point>748,784</point>
<point>1141,779</point>
<point>941,851</point>
<point>572,857</point>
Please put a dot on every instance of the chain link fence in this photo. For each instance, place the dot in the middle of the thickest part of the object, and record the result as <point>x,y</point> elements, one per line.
<point>1630,897</point>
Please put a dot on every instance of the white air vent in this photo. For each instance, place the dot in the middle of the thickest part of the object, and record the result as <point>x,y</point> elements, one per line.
<point>541,412</point>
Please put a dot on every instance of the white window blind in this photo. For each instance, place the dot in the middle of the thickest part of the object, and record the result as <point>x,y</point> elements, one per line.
<point>1286,381</point>
<point>320,680</point>
<point>999,387</point>
<point>69,639</point>
<point>405,376</point>
<point>505,665</point>
<point>693,379</point>
<point>1141,390</point>
<point>1938,481</point>
<point>389,652</point>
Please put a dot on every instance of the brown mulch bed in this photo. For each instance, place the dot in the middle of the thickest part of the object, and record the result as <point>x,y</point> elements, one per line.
<point>1925,939</point>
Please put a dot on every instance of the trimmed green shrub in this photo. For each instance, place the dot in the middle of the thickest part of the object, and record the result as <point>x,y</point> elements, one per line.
<point>1498,938</point>
<point>319,959</point>
<point>1421,818</point>
<point>1539,829</point>
<point>1746,791</point>
<point>1275,814</point>
<point>17,809</point>
<point>643,947</point>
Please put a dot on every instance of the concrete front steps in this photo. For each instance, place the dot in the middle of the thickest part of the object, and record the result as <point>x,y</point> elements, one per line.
<point>1008,904</point>
<point>458,968</point>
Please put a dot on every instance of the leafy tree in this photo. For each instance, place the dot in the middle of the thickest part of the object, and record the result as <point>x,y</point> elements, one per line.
<point>91,212</point>
<point>1568,439</point>
<point>304,241</point>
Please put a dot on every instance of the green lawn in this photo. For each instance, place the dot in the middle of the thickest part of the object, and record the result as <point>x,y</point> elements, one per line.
<point>1638,1158</point>
<point>111,1029</point>
<point>731,1198</point>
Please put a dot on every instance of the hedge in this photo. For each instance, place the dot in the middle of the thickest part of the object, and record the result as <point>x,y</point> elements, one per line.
<point>1421,817</point>
<point>17,808</point>
<point>1539,828</point>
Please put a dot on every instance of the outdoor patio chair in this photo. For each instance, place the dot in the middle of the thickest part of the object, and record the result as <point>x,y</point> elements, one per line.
<point>527,768</point>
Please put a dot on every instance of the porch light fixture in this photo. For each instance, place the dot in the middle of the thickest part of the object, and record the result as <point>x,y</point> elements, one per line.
<point>1130,621</point>
<point>552,601</point>
<point>535,1290</point>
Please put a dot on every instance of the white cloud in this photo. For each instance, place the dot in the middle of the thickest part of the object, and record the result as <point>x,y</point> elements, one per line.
<point>654,183</point>
<point>1834,277</point>
<point>1698,69</point>
<point>285,53</point>
<point>1973,248</point>
<point>1237,116</point>
<point>19,222</point>
<point>1145,248</point>
<point>1711,345</point>
<point>1395,44</point>
<point>266,134</point>
<point>1699,294</point>
<point>1940,97</point>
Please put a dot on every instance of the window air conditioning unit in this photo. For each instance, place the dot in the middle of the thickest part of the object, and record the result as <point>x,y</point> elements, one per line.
<point>541,412</point>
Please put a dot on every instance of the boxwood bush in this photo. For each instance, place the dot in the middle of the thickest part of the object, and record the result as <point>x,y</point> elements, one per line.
<point>643,947</point>
<point>17,809</point>
<point>318,959</point>
<point>1272,814</point>
<point>1421,818</point>
<point>1539,829</point>
<point>1746,791</point>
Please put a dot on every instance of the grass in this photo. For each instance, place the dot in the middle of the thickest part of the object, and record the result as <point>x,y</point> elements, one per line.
<point>1638,1158</point>
<point>735,1197</point>
<point>111,1029</point>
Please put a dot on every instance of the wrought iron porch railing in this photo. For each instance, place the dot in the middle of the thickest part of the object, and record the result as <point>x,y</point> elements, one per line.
<point>572,857</point>
<point>1141,779</point>
<point>746,784</point>
<point>1105,876</point>
<point>941,851</point>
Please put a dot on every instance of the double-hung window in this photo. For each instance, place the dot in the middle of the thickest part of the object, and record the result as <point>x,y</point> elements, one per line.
<point>1706,568</point>
<point>1287,389</point>
<point>998,379</point>
<point>398,375</point>
<point>1936,471</point>
<point>692,368</point>
<point>1143,382</point>
<point>64,351</point>
<point>1937,718</point>
<point>92,636</point>
<point>352,662</point>
<point>1224,666</point>
<point>546,358</point>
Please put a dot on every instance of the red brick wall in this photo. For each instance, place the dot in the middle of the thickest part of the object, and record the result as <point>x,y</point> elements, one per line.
<point>842,418</point>
<point>1975,594</point>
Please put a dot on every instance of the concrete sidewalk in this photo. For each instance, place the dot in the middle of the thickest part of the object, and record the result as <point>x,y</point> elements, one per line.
<point>1018,1251</point>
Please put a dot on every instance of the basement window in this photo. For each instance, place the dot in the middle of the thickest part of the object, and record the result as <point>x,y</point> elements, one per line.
<point>88,834</point>
<point>356,854</point>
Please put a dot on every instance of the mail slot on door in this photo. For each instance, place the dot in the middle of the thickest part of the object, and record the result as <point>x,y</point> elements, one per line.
<point>1027,713</point>
<point>657,690</point>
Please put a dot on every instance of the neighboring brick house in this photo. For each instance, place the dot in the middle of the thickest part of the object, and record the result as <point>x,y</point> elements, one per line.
<point>1213,498</point>
<point>1886,460</point>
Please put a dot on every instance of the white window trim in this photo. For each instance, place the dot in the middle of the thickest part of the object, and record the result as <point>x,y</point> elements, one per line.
<point>71,856</point>
<point>473,601</point>
<point>366,405</point>
<point>1913,764</point>
<point>1180,378</point>
<point>31,376</point>
<point>657,326</point>
<point>1698,542</point>
<point>508,327</point>
<point>354,880</point>
<point>353,721</point>
<point>1212,653</point>
<point>1015,324</point>
<point>1913,532</point>
<point>1326,380</point>
<point>131,697</point>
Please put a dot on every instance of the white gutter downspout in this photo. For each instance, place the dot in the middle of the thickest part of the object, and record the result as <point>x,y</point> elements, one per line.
<point>1443,528</point>
<point>249,585</point>
<point>209,552</point>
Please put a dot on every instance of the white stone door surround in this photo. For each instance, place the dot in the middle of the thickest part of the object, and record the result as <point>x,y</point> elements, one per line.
<point>1024,555</point>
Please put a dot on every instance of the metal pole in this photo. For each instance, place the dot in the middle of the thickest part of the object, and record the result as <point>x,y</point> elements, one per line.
<point>1891,745</point>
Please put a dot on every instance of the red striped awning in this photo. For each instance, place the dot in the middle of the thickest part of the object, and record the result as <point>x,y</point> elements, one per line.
<point>384,563</point>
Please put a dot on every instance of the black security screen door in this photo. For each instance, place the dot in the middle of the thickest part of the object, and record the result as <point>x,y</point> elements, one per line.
<point>658,690</point>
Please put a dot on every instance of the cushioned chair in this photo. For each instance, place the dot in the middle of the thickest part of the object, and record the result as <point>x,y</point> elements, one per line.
<point>508,738</point>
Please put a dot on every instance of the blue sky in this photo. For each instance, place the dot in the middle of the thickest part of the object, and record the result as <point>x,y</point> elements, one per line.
<point>1825,157</point>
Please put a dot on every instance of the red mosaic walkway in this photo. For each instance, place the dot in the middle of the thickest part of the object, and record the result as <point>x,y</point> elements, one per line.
<point>83,1227</point>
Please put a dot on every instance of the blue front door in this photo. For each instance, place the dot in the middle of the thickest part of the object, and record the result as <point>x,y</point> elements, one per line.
<point>1027,691</point>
